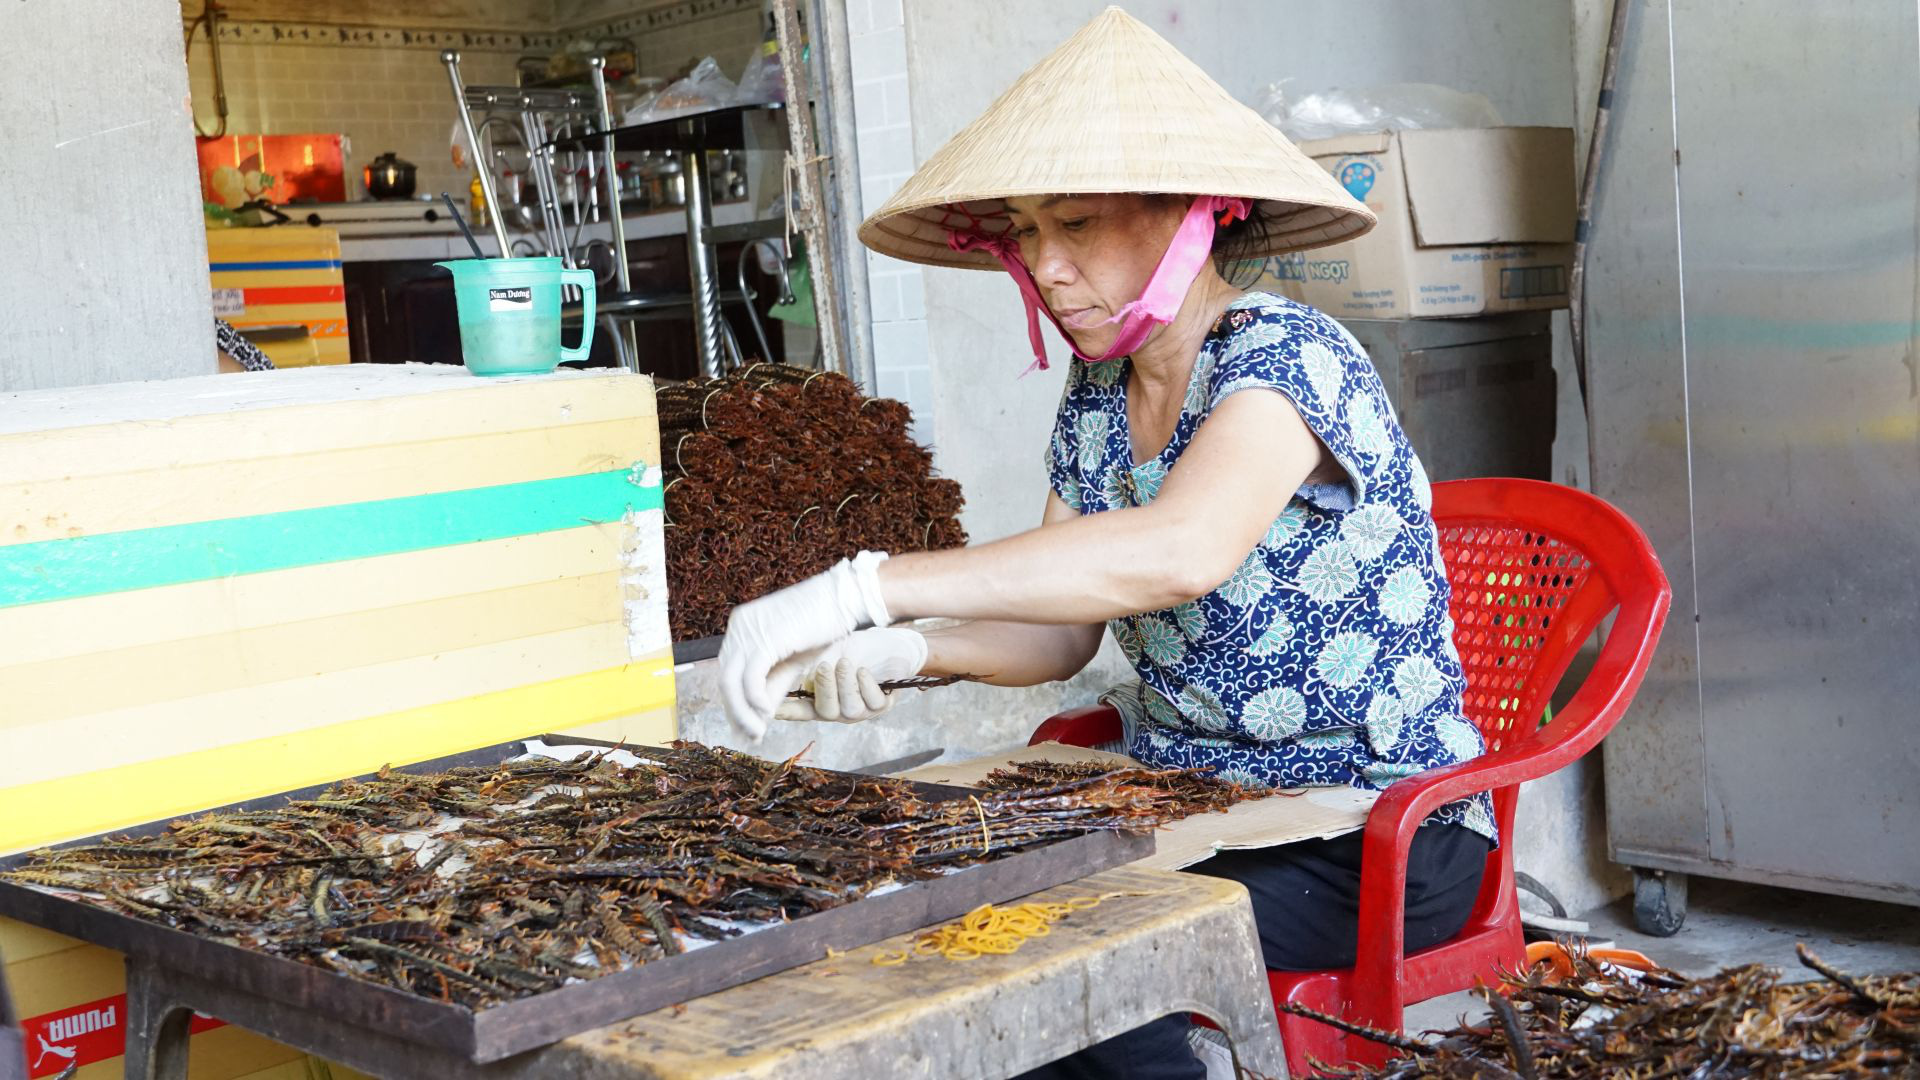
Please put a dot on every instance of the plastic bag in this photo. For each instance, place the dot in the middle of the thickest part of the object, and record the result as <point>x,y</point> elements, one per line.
<point>704,88</point>
<point>762,81</point>
<point>1396,106</point>
<point>459,149</point>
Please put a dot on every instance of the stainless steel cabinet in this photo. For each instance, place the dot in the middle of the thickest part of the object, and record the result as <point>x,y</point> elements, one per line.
<point>1754,307</point>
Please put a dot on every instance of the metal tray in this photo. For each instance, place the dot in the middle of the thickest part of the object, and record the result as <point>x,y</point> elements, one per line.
<point>500,1031</point>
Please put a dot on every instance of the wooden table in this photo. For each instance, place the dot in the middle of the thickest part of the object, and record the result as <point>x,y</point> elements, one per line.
<point>1170,943</point>
<point>1160,943</point>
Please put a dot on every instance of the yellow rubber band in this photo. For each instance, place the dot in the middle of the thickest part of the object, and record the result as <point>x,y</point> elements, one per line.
<point>990,931</point>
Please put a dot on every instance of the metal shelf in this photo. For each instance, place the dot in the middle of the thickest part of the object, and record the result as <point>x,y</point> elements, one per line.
<point>716,129</point>
<point>643,306</point>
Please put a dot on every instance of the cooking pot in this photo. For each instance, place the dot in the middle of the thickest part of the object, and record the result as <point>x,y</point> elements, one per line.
<point>389,177</point>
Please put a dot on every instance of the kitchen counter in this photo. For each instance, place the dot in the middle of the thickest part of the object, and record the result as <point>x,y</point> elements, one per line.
<point>450,245</point>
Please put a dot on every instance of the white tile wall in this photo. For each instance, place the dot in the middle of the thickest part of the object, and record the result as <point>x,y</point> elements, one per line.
<point>398,99</point>
<point>877,54</point>
<point>731,39</point>
<point>381,98</point>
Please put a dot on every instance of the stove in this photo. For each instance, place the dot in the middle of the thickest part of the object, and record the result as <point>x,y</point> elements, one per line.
<point>369,217</point>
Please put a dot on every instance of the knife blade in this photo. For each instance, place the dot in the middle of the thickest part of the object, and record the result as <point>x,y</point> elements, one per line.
<point>900,764</point>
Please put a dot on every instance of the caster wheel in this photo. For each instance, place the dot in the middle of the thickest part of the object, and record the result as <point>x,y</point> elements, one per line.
<point>1659,902</point>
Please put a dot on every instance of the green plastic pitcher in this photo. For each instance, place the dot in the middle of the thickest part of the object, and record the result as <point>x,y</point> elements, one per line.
<point>510,314</point>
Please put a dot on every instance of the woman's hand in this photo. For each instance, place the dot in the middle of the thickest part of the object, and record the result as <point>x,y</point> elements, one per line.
<point>761,633</point>
<point>845,677</point>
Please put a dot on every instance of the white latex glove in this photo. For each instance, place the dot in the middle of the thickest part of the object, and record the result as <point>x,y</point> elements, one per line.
<point>845,677</point>
<point>815,613</point>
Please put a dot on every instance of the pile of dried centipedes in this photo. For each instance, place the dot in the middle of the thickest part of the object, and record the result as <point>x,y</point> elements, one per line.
<point>1191,790</point>
<point>485,884</point>
<point>1605,1022</point>
<point>776,473</point>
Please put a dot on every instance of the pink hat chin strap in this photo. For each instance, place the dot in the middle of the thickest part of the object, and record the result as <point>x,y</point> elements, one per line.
<point>1159,302</point>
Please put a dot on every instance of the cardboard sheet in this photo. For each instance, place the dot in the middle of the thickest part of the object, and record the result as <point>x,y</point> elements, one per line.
<point>1313,814</point>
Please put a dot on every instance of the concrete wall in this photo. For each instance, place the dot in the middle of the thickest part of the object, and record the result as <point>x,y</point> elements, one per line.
<point>105,275</point>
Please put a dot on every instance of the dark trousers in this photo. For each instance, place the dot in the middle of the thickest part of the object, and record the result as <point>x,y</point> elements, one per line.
<point>1306,905</point>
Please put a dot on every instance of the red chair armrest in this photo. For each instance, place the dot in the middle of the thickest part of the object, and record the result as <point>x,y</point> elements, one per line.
<point>1380,959</point>
<point>1089,726</point>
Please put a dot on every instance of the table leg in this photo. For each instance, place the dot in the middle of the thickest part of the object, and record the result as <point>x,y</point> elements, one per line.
<point>156,1026</point>
<point>1208,965</point>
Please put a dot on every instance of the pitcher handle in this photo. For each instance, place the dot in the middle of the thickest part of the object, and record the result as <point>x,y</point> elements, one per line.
<point>584,279</point>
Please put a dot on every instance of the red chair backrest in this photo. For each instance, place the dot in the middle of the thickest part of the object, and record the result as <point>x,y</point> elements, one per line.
<point>1534,568</point>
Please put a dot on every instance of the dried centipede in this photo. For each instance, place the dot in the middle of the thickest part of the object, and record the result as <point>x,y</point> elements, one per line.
<point>551,871</point>
<point>1602,1021</point>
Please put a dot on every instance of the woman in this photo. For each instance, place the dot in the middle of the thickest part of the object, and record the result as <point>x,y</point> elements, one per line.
<point>1231,494</point>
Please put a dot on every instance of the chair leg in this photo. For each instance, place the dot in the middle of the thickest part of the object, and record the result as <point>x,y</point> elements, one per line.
<point>1308,1041</point>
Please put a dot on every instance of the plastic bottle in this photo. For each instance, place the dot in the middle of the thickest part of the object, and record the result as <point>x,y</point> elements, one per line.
<point>477,204</point>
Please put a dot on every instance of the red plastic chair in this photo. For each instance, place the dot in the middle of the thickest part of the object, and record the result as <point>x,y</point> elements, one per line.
<point>1534,567</point>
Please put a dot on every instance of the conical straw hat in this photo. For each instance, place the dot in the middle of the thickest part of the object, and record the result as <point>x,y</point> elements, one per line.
<point>1115,108</point>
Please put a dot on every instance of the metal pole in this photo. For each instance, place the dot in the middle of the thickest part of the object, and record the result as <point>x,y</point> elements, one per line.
<point>622,275</point>
<point>700,257</point>
<point>838,189</point>
<point>451,58</point>
<point>809,202</point>
<point>1589,185</point>
<point>540,163</point>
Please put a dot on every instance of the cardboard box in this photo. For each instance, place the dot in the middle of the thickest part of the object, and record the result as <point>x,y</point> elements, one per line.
<point>1473,221</point>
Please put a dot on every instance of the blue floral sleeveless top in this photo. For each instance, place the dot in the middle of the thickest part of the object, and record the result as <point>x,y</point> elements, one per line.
<point>1328,656</point>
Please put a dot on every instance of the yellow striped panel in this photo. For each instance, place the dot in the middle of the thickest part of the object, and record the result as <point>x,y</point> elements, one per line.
<point>262,245</point>
<point>199,667</point>
<point>278,430</point>
<point>40,751</point>
<point>36,814</point>
<point>271,279</point>
<point>87,504</point>
<point>333,350</point>
<point>281,314</point>
<point>36,633</point>
<point>299,352</point>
